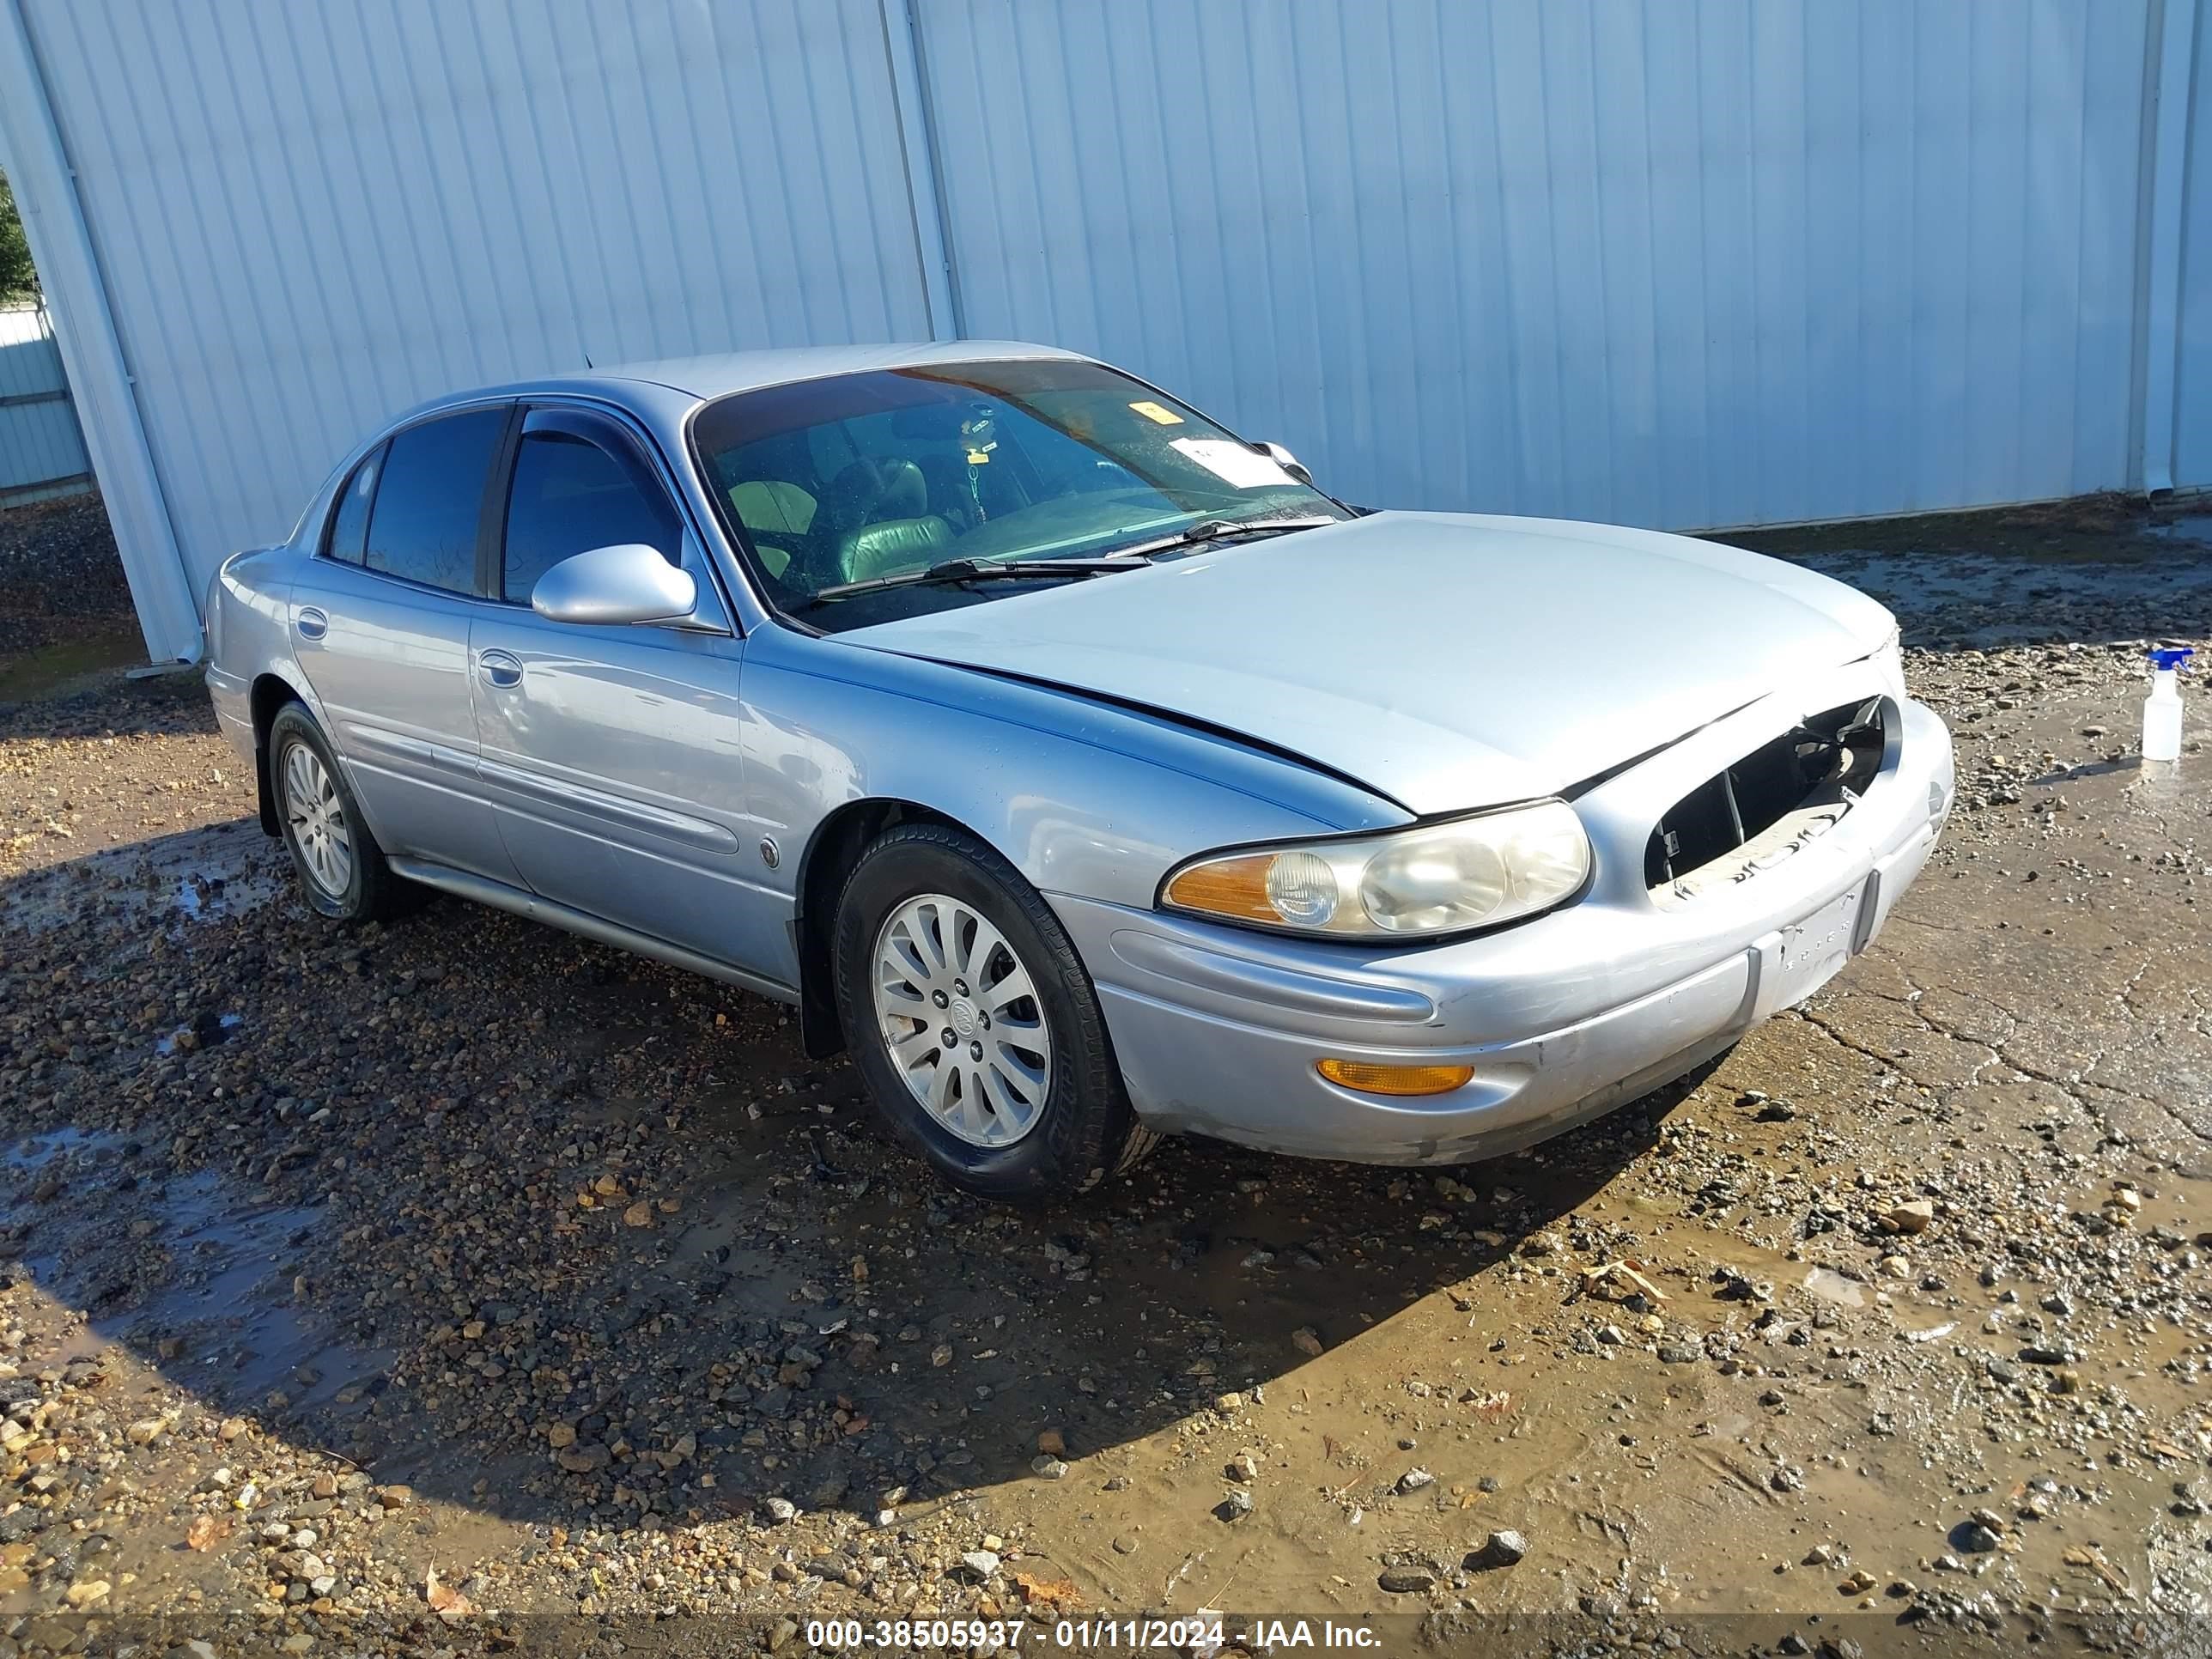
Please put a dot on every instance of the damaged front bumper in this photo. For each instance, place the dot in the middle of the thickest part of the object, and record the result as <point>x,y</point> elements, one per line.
<point>1218,1031</point>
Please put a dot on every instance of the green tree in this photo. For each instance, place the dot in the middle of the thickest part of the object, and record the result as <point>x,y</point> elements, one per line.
<point>17,278</point>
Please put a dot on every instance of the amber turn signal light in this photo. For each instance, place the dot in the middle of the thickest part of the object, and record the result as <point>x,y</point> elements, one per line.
<point>1372,1079</point>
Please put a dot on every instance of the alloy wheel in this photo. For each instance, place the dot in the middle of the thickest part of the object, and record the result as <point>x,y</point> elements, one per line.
<point>318,818</point>
<point>958,1012</point>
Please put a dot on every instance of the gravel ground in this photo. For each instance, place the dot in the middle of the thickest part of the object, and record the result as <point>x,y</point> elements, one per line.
<point>459,1285</point>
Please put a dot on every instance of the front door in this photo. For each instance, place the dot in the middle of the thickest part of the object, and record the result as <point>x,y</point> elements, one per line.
<point>611,754</point>
<point>381,621</point>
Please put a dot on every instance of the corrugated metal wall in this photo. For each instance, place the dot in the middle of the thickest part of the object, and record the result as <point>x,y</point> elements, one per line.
<point>312,215</point>
<point>1684,262</point>
<point>41,451</point>
<point>1678,264</point>
<point>2192,433</point>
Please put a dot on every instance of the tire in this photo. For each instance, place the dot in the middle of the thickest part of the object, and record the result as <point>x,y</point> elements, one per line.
<point>1043,1115</point>
<point>342,873</point>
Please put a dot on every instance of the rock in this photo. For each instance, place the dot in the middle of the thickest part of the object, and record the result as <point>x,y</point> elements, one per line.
<point>981,1563</point>
<point>1503,1548</point>
<point>1914,1216</point>
<point>639,1214</point>
<point>1243,1467</point>
<point>584,1458</point>
<point>1050,1467</point>
<point>777,1511</point>
<point>1414,1480</point>
<point>1053,1443</point>
<point>1406,1580</point>
<point>559,1435</point>
<point>1680,1354</point>
<point>395,1497</point>
<point>86,1592</point>
<point>1125,1544</point>
<point>146,1430</point>
<point>1235,1506</point>
<point>1973,1538</point>
<point>1307,1340</point>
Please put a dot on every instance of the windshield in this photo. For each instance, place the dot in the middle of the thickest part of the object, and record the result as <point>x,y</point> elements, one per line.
<point>855,478</point>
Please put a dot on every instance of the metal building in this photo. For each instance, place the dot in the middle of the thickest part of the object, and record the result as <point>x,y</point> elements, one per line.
<point>1681,263</point>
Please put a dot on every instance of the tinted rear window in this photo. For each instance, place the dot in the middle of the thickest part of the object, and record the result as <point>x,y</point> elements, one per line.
<point>431,498</point>
<point>350,522</point>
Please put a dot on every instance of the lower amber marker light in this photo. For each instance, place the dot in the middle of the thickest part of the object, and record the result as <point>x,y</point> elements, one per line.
<point>1373,1080</point>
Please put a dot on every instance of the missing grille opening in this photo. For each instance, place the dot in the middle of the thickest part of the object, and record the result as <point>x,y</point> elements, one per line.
<point>1767,804</point>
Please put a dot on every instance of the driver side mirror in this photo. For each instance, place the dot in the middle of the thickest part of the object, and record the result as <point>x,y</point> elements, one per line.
<point>628,582</point>
<point>1285,459</point>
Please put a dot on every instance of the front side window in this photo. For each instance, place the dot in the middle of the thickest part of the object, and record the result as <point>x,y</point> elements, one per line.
<point>430,499</point>
<point>349,518</point>
<point>569,496</point>
<point>855,478</point>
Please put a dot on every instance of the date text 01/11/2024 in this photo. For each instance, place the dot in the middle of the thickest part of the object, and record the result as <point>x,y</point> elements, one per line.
<point>1200,1634</point>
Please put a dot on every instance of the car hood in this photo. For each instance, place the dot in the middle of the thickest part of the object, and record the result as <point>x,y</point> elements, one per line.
<point>1447,661</point>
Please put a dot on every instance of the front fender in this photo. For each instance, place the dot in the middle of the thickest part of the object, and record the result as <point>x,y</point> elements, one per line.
<point>1082,798</point>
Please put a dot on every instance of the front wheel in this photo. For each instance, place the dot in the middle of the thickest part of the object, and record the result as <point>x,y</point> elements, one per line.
<point>973,1021</point>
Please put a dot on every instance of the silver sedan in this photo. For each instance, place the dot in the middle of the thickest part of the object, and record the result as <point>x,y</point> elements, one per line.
<point>1080,766</point>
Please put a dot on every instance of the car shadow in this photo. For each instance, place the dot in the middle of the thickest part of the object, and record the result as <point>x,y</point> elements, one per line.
<point>562,1235</point>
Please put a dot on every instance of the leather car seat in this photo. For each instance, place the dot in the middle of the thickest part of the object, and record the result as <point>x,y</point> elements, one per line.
<point>881,510</point>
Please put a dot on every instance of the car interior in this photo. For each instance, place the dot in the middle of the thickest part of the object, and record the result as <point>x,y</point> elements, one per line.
<point>847,500</point>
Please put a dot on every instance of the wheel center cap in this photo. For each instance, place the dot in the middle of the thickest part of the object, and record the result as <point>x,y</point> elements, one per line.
<point>963,1015</point>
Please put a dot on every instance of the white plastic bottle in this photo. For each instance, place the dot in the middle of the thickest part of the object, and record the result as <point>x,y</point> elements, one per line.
<point>2161,739</point>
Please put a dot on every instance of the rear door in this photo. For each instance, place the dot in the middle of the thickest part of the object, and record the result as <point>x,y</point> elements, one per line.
<point>611,753</point>
<point>380,620</point>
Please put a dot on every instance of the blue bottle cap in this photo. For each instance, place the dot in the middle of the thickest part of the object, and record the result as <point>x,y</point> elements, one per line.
<point>2172,656</point>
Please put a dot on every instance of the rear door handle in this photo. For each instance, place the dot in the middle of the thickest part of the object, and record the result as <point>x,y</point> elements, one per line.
<point>500,668</point>
<point>312,624</point>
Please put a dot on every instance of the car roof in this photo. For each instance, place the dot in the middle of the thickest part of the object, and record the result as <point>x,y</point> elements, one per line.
<point>726,372</point>
<point>695,379</point>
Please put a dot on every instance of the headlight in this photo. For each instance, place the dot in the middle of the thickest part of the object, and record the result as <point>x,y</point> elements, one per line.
<point>1438,878</point>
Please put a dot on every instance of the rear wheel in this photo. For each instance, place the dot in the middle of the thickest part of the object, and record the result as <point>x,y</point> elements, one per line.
<point>342,870</point>
<point>973,1021</point>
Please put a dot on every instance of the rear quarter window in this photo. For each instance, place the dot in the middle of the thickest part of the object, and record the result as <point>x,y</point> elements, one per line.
<point>349,525</point>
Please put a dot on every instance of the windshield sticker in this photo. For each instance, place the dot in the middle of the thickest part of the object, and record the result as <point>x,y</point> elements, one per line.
<point>1152,412</point>
<point>1233,464</point>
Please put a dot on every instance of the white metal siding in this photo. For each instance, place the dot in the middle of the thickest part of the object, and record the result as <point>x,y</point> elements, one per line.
<point>41,451</point>
<point>1672,264</point>
<point>2192,433</point>
<point>312,215</point>
<point>1682,263</point>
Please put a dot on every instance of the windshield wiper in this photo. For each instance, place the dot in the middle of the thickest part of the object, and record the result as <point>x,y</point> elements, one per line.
<point>979,570</point>
<point>1214,529</point>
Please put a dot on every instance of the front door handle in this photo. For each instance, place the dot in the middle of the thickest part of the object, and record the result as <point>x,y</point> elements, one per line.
<point>312,624</point>
<point>500,668</point>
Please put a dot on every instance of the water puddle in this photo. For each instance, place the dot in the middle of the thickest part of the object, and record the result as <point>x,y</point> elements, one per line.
<point>1835,1289</point>
<point>173,882</point>
<point>205,1032</point>
<point>191,1273</point>
<point>1979,598</point>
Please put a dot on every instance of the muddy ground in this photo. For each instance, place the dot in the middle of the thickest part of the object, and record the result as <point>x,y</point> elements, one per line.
<point>460,1284</point>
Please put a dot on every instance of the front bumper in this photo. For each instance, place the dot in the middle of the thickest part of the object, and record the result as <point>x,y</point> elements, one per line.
<point>1217,1030</point>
